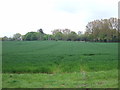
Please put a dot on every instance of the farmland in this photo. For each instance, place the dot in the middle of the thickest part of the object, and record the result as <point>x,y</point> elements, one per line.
<point>59,64</point>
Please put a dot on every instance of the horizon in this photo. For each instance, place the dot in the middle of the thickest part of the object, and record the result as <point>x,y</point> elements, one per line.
<point>25,16</point>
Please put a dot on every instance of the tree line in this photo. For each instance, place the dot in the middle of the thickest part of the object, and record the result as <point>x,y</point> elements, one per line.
<point>104,30</point>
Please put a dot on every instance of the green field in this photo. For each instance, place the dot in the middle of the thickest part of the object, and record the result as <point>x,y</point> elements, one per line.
<point>59,64</point>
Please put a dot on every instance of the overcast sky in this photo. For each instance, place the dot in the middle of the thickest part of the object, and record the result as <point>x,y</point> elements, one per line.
<point>22,16</point>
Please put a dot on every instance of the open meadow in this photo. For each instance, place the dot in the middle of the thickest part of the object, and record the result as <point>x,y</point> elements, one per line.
<point>59,64</point>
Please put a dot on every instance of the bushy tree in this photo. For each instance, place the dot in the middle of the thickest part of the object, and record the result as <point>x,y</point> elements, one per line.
<point>57,34</point>
<point>5,38</point>
<point>72,36</point>
<point>30,36</point>
<point>17,36</point>
<point>102,30</point>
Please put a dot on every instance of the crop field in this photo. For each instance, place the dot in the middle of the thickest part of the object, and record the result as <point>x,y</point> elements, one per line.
<point>59,64</point>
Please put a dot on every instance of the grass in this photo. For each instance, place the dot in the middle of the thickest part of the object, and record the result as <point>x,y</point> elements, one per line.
<point>101,79</point>
<point>51,63</point>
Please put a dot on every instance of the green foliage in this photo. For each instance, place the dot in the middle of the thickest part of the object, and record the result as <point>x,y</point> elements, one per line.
<point>58,36</point>
<point>105,30</point>
<point>17,36</point>
<point>64,34</point>
<point>72,36</point>
<point>31,36</point>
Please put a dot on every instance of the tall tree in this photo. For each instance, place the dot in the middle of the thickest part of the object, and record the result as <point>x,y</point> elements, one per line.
<point>102,30</point>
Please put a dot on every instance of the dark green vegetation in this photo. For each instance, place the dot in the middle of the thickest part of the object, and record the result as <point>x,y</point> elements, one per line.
<point>57,56</point>
<point>59,64</point>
